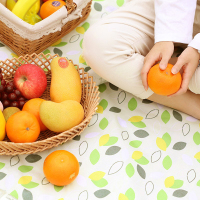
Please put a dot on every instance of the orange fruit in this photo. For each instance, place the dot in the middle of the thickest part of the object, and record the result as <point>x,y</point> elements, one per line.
<point>163,82</point>
<point>33,106</point>
<point>49,7</point>
<point>61,167</point>
<point>22,127</point>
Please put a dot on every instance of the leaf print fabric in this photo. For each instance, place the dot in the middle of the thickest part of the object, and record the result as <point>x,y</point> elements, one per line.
<point>132,149</point>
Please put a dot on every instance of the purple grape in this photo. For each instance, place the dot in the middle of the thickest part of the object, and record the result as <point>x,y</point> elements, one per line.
<point>4,95</point>
<point>14,104</point>
<point>6,103</point>
<point>1,76</point>
<point>21,99</point>
<point>21,103</point>
<point>12,96</point>
<point>9,88</point>
<point>2,88</point>
<point>18,93</point>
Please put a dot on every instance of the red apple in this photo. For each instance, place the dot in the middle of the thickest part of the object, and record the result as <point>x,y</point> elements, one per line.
<point>30,80</point>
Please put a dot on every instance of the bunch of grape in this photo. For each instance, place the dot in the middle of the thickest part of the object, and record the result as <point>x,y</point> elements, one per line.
<point>10,96</point>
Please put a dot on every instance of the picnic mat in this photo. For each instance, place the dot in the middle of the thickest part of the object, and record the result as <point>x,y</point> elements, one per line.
<point>133,149</point>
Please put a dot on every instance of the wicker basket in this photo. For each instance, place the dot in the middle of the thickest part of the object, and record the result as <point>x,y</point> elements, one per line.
<point>22,46</point>
<point>49,139</point>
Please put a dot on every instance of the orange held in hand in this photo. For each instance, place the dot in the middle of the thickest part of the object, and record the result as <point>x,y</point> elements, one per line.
<point>163,82</point>
<point>49,7</point>
<point>22,127</point>
<point>61,167</point>
<point>33,106</point>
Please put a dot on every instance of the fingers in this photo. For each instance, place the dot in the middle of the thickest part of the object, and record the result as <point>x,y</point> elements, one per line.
<point>165,60</point>
<point>176,68</point>
<point>148,63</point>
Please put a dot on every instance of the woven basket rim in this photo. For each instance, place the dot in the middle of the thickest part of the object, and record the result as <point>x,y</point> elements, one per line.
<point>82,125</point>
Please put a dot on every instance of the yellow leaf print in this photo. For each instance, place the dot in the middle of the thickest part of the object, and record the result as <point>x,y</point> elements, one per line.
<point>197,156</point>
<point>14,55</point>
<point>25,180</point>
<point>169,181</point>
<point>80,30</point>
<point>99,109</point>
<point>56,43</point>
<point>103,139</point>
<point>122,197</point>
<point>137,155</point>
<point>97,175</point>
<point>161,144</point>
<point>81,60</point>
<point>136,119</point>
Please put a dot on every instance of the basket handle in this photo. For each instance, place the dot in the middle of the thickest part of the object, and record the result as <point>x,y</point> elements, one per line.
<point>69,1</point>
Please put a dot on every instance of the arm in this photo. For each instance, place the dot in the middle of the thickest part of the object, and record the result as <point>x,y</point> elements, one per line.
<point>173,23</point>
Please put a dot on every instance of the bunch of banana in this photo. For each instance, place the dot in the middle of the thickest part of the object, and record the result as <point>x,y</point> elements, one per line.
<point>25,9</point>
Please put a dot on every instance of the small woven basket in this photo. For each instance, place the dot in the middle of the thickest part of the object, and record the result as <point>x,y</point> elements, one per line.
<point>48,139</point>
<point>22,46</point>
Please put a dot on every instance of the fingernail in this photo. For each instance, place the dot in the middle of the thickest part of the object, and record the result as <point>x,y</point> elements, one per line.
<point>173,71</point>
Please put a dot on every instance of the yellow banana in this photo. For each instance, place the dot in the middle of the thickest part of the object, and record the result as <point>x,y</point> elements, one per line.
<point>2,126</point>
<point>10,4</point>
<point>22,7</point>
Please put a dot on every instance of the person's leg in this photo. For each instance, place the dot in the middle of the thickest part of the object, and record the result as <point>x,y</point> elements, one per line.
<point>115,49</point>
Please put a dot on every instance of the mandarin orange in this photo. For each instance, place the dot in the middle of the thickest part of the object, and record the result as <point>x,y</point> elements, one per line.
<point>22,127</point>
<point>33,106</point>
<point>163,82</point>
<point>61,167</point>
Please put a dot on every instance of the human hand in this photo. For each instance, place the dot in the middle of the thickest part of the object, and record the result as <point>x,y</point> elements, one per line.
<point>161,51</point>
<point>187,63</point>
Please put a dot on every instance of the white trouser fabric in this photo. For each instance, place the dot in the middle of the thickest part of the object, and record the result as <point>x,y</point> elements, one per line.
<point>115,46</point>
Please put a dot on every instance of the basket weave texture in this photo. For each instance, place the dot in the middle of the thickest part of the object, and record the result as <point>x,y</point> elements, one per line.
<point>23,46</point>
<point>48,139</point>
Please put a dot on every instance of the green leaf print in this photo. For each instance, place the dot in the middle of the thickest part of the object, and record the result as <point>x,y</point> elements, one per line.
<point>100,183</point>
<point>167,162</point>
<point>30,185</point>
<point>165,116</point>
<point>196,138</point>
<point>58,51</point>
<point>130,194</point>
<point>61,44</point>
<point>81,43</point>
<point>130,170</point>
<point>58,188</point>
<point>103,123</point>
<point>120,2</point>
<point>139,124</point>
<point>14,194</point>
<point>135,143</point>
<point>27,195</point>
<point>86,25</point>
<point>94,156</point>
<point>2,165</point>
<point>24,168</point>
<point>198,183</point>
<point>167,138</point>
<point>142,161</point>
<point>162,195</point>
<point>132,104</point>
<point>177,115</point>
<point>102,87</point>
<point>46,51</point>
<point>111,141</point>
<point>177,184</point>
<point>103,103</point>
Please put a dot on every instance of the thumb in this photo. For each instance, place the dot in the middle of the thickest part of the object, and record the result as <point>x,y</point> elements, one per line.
<point>164,61</point>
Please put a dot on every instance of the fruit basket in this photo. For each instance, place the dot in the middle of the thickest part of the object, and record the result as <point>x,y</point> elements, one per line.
<point>49,139</point>
<point>24,38</point>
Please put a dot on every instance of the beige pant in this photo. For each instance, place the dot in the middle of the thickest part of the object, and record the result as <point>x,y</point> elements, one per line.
<point>115,46</point>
